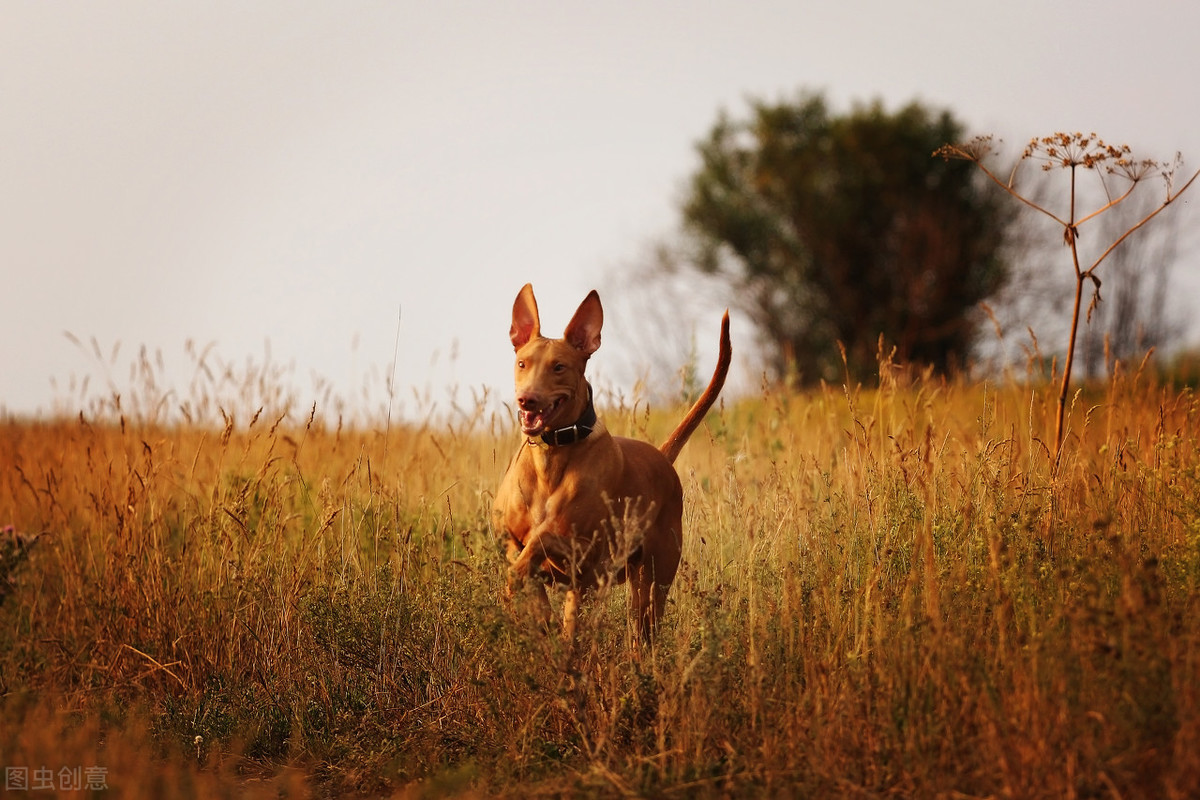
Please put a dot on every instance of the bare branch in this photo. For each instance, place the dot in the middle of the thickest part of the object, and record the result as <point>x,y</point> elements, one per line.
<point>1108,205</point>
<point>966,153</point>
<point>1170,199</point>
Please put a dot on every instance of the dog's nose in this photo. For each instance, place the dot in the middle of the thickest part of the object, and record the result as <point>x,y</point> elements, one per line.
<point>528,402</point>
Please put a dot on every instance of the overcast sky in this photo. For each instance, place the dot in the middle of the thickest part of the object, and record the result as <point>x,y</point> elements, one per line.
<point>294,177</point>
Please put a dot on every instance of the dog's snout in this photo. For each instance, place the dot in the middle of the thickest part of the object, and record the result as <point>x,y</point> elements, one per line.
<point>528,402</point>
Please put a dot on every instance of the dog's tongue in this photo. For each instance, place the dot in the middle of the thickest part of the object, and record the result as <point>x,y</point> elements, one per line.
<point>532,422</point>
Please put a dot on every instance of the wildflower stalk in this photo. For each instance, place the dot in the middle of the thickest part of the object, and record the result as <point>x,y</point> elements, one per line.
<point>1073,151</point>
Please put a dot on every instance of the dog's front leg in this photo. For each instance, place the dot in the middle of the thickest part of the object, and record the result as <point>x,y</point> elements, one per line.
<point>517,579</point>
<point>523,561</point>
<point>521,558</point>
<point>570,613</point>
<point>545,545</point>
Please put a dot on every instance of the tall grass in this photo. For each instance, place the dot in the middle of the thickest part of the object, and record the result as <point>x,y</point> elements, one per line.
<point>885,591</point>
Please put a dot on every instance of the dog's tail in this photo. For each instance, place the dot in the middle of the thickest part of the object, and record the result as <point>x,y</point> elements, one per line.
<point>679,437</point>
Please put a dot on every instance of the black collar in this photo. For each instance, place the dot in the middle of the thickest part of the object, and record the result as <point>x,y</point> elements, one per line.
<point>576,432</point>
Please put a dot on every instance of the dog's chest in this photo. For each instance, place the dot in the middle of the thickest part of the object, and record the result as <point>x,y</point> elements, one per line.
<point>565,496</point>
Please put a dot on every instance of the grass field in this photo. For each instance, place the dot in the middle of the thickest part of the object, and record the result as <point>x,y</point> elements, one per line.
<point>885,592</point>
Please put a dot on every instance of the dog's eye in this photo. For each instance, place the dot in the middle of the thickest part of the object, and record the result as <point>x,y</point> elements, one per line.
<point>520,365</point>
<point>559,367</point>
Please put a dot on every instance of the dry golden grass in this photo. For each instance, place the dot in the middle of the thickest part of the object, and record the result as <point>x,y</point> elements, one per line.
<point>884,592</point>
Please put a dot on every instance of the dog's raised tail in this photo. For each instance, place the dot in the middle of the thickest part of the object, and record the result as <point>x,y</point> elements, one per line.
<point>695,414</point>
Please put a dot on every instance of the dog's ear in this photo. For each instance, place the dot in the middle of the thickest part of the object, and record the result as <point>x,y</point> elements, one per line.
<point>583,332</point>
<point>525,325</point>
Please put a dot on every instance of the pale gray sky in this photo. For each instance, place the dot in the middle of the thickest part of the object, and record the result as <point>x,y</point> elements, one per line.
<point>297,172</point>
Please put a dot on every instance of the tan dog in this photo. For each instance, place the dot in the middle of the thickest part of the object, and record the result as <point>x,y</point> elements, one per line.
<point>578,506</point>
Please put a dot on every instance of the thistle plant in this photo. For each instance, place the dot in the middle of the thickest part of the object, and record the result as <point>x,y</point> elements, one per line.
<point>1118,175</point>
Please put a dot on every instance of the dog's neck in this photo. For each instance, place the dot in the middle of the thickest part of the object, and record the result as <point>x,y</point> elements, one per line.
<point>576,431</point>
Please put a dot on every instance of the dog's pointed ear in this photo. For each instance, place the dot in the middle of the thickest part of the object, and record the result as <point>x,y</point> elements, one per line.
<point>583,332</point>
<point>525,324</point>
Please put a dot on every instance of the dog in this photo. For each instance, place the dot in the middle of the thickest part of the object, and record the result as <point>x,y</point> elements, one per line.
<point>578,506</point>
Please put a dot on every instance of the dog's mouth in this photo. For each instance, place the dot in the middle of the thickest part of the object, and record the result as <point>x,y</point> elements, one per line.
<point>533,422</point>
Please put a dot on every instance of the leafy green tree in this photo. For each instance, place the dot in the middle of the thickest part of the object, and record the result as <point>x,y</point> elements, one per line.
<point>835,231</point>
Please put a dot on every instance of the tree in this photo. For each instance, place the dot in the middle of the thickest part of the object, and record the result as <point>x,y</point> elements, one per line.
<point>836,230</point>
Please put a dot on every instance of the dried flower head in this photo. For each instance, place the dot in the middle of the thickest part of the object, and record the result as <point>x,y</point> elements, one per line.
<point>1073,150</point>
<point>976,149</point>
